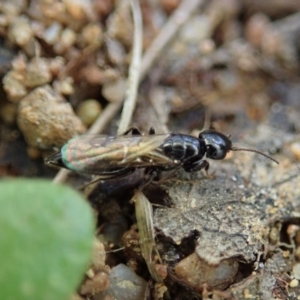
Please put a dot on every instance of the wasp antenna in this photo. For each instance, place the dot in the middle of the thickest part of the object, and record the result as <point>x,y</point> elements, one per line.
<point>256,151</point>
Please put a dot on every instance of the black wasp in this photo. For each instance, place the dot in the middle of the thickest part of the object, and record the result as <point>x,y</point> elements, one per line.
<point>117,156</point>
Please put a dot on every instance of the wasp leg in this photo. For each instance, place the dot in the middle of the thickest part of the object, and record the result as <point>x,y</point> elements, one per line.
<point>196,166</point>
<point>134,131</point>
<point>202,164</point>
<point>151,131</point>
<point>151,173</point>
<point>113,174</point>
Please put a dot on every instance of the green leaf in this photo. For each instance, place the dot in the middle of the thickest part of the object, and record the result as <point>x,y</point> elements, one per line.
<point>46,237</point>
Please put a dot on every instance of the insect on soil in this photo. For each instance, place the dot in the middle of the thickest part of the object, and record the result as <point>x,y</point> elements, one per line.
<point>117,156</point>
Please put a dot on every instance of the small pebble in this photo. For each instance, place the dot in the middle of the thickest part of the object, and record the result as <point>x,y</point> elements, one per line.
<point>255,28</point>
<point>114,91</point>
<point>124,284</point>
<point>64,86</point>
<point>88,111</point>
<point>296,270</point>
<point>33,153</point>
<point>52,33</point>
<point>46,119</point>
<point>37,73</point>
<point>195,272</point>
<point>115,51</point>
<point>13,84</point>
<point>92,34</point>
<point>295,149</point>
<point>67,38</point>
<point>20,31</point>
<point>294,283</point>
<point>99,283</point>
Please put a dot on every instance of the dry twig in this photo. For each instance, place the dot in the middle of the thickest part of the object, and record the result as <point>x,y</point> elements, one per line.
<point>134,70</point>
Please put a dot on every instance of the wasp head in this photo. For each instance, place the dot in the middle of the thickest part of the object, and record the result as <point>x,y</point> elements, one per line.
<point>217,144</point>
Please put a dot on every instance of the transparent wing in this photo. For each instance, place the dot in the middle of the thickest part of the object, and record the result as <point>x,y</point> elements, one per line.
<point>93,154</point>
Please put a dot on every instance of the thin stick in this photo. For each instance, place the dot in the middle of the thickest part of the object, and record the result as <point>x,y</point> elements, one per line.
<point>179,17</point>
<point>134,69</point>
<point>61,176</point>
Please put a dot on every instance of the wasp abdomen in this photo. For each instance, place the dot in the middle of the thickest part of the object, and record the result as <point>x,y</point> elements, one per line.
<point>183,147</point>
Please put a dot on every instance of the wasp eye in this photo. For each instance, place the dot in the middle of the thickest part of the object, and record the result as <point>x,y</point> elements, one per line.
<point>215,152</point>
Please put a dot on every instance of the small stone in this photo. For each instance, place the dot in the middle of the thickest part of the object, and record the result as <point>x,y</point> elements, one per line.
<point>13,84</point>
<point>196,273</point>
<point>294,283</point>
<point>14,88</point>
<point>295,149</point>
<point>92,34</point>
<point>37,73</point>
<point>115,51</point>
<point>124,284</point>
<point>76,8</point>
<point>52,34</point>
<point>68,38</point>
<point>64,86</point>
<point>99,283</point>
<point>46,119</point>
<point>114,91</point>
<point>296,270</point>
<point>33,153</point>
<point>20,31</point>
<point>255,28</point>
<point>88,111</point>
